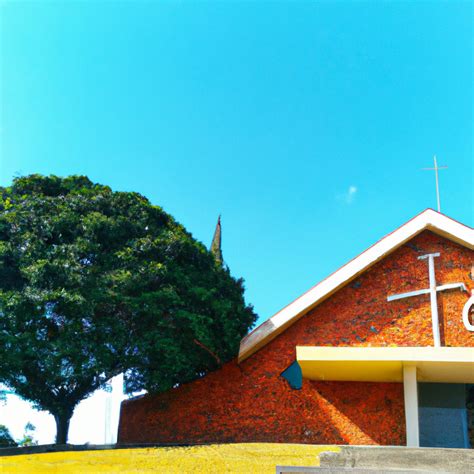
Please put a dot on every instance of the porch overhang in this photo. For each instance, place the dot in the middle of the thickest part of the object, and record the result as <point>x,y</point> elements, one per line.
<point>386,364</point>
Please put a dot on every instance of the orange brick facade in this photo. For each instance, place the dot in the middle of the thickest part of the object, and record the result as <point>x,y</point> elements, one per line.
<point>251,402</point>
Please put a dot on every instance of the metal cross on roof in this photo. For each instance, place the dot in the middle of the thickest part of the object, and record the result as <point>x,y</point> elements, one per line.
<point>436,168</point>
<point>432,290</point>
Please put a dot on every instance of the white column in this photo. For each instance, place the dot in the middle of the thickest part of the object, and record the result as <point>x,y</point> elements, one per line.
<point>112,409</point>
<point>410,390</point>
<point>108,435</point>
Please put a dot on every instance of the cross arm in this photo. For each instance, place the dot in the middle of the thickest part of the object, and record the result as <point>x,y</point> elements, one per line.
<point>451,286</point>
<point>407,295</point>
<point>448,286</point>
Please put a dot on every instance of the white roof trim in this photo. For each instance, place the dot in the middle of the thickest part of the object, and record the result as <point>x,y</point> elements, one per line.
<point>427,220</point>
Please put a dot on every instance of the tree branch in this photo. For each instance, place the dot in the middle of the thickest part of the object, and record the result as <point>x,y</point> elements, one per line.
<point>200,344</point>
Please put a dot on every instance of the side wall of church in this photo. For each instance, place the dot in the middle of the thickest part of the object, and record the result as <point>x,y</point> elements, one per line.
<point>251,402</point>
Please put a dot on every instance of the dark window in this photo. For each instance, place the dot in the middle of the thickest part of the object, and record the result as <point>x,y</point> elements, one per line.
<point>443,415</point>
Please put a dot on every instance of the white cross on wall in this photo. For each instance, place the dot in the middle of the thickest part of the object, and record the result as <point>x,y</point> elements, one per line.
<point>432,290</point>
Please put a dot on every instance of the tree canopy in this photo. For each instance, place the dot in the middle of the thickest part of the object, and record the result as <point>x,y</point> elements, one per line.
<point>94,283</point>
<point>6,439</point>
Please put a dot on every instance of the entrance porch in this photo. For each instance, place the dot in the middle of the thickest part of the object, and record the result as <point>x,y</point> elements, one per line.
<point>440,405</point>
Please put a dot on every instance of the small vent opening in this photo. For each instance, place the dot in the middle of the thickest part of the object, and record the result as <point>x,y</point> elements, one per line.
<point>293,375</point>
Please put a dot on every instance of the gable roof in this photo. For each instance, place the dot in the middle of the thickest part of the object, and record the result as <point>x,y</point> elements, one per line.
<point>427,220</point>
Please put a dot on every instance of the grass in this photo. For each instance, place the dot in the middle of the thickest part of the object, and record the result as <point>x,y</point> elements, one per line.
<point>245,458</point>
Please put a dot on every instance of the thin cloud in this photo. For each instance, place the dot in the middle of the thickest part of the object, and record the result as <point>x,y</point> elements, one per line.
<point>349,196</point>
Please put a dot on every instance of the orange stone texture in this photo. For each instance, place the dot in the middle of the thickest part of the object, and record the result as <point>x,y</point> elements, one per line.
<point>251,402</point>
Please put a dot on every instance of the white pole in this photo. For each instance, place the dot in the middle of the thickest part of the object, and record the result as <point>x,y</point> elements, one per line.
<point>410,391</point>
<point>433,297</point>
<point>437,183</point>
<point>108,417</point>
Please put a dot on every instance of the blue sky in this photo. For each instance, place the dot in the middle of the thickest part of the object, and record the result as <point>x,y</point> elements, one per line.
<point>305,124</point>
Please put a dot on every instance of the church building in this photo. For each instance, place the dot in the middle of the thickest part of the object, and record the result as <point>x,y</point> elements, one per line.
<point>381,352</point>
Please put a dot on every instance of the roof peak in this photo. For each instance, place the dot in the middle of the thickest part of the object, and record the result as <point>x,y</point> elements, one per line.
<point>429,219</point>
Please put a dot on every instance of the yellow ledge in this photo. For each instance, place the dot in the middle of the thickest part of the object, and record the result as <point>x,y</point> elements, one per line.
<point>218,458</point>
<point>385,364</point>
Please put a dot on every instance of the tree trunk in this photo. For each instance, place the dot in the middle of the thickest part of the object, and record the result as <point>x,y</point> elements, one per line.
<point>62,427</point>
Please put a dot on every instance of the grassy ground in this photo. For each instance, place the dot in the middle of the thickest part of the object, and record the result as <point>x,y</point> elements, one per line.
<point>219,458</point>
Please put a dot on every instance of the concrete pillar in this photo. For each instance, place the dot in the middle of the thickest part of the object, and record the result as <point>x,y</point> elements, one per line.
<point>410,390</point>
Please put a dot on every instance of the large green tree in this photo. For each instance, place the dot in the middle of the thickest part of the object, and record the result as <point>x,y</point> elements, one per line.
<point>94,283</point>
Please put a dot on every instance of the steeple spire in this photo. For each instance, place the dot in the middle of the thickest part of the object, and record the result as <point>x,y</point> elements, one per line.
<point>216,249</point>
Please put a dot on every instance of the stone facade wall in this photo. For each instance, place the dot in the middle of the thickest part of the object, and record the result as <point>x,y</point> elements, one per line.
<point>251,402</point>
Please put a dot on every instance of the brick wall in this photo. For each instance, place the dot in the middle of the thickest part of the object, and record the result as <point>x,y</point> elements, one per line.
<point>252,402</point>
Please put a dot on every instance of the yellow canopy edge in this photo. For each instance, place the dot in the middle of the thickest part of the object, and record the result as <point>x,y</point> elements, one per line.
<point>385,364</point>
